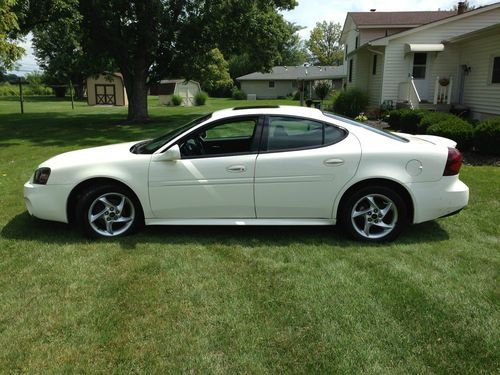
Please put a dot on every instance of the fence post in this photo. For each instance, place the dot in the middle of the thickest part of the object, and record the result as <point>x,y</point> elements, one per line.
<point>21,98</point>
<point>71,94</point>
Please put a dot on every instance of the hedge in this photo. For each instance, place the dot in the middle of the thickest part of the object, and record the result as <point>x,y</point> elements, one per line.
<point>487,136</point>
<point>405,120</point>
<point>200,98</point>
<point>431,118</point>
<point>458,130</point>
<point>350,102</point>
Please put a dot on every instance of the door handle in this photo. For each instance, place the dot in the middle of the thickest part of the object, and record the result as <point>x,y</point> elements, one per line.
<point>333,162</point>
<point>236,168</point>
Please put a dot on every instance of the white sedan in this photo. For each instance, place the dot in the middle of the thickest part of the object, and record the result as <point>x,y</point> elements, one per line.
<point>262,165</point>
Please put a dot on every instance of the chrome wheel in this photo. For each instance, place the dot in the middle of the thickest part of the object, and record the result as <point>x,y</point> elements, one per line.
<point>111,214</point>
<point>374,216</point>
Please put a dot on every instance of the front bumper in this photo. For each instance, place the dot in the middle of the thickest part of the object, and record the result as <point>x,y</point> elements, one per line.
<point>437,199</point>
<point>47,202</point>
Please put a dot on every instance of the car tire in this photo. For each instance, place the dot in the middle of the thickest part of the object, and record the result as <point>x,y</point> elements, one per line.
<point>108,211</point>
<point>374,214</point>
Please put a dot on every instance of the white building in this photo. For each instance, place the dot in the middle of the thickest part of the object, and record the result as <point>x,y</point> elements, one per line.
<point>427,59</point>
<point>284,80</point>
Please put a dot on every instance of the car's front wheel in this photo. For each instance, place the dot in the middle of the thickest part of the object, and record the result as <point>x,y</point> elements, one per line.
<point>374,214</point>
<point>108,211</point>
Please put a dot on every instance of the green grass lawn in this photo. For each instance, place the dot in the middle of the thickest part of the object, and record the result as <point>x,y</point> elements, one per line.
<point>212,300</point>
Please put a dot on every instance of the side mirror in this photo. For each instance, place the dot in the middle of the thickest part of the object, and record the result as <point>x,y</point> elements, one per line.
<point>172,154</point>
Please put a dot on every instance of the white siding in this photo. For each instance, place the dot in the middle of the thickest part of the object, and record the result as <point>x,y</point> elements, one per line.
<point>480,94</point>
<point>397,65</point>
<point>366,35</point>
<point>375,80</point>
<point>263,91</point>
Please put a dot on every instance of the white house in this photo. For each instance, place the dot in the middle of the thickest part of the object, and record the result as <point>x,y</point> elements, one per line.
<point>427,59</point>
<point>284,80</point>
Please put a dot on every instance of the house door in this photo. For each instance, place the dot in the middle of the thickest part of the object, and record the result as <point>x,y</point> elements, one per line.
<point>421,73</point>
<point>105,94</point>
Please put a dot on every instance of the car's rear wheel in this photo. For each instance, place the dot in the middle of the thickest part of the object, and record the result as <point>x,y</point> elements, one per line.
<point>374,214</point>
<point>108,211</point>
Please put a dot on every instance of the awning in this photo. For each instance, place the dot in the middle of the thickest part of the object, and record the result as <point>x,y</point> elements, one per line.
<point>438,47</point>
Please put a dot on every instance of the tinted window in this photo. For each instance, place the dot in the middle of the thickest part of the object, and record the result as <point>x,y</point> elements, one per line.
<point>235,136</point>
<point>285,133</point>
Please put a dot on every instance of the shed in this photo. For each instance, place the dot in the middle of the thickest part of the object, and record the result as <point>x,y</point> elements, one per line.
<point>106,89</point>
<point>169,87</point>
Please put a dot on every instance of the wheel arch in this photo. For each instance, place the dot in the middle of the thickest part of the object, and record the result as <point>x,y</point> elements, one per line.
<point>79,190</point>
<point>399,188</point>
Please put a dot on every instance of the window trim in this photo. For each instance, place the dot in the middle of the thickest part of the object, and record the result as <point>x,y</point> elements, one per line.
<point>269,84</point>
<point>255,147</point>
<point>265,134</point>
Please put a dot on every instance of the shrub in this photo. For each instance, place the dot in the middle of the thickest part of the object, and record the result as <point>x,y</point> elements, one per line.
<point>238,94</point>
<point>487,136</point>
<point>37,90</point>
<point>200,98</point>
<point>6,89</point>
<point>176,100</point>
<point>405,120</point>
<point>458,130</point>
<point>296,95</point>
<point>431,118</point>
<point>322,89</point>
<point>350,102</point>
<point>309,102</point>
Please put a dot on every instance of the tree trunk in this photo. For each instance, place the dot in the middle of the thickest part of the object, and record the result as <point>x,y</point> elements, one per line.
<point>137,92</point>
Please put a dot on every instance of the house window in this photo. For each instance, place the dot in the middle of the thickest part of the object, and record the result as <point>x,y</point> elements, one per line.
<point>419,65</point>
<point>374,66</point>
<point>346,51</point>
<point>294,84</point>
<point>350,70</point>
<point>495,74</point>
<point>271,84</point>
<point>357,42</point>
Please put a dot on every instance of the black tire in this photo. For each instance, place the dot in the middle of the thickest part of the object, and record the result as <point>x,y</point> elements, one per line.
<point>108,211</point>
<point>374,214</point>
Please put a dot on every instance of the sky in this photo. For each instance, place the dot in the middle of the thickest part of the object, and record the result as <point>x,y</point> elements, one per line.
<point>308,12</point>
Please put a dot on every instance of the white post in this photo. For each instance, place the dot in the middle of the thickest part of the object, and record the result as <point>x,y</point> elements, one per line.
<point>449,90</point>
<point>436,89</point>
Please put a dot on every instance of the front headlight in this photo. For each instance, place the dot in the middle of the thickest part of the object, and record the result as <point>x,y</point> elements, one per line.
<point>41,176</point>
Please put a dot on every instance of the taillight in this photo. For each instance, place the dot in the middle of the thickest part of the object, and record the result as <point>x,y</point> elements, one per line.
<point>453,163</point>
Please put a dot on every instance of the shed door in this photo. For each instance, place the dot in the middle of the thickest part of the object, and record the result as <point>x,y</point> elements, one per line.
<point>105,94</point>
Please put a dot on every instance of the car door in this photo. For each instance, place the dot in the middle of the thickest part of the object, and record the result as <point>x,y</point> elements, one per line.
<point>302,167</point>
<point>213,178</point>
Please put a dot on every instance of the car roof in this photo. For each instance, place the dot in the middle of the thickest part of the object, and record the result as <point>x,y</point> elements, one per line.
<point>285,110</point>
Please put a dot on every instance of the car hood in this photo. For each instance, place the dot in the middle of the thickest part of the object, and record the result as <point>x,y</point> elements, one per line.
<point>94,155</point>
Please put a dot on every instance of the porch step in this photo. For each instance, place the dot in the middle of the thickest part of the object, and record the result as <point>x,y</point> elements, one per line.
<point>427,105</point>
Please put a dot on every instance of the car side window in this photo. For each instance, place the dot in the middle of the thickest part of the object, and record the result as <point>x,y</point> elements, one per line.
<point>234,136</point>
<point>288,133</point>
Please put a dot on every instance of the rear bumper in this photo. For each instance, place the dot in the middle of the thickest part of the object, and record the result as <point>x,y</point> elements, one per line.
<point>47,202</point>
<point>437,199</point>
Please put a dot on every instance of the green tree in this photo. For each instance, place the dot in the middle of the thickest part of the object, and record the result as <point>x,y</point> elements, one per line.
<point>322,90</point>
<point>153,39</point>
<point>58,49</point>
<point>9,51</point>
<point>293,49</point>
<point>324,43</point>
<point>213,74</point>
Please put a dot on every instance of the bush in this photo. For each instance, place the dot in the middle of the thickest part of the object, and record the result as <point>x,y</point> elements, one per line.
<point>487,136</point>
<point>37,90</point>
<point>322,89</point>
<point>458,130</point>
<point>6,89</point>
<point>200,98</point>
<point>238,94</point>
<point>176,100</point>
<point>350,102</point>
<point>296,95</point>
<point>431,118</point>
<point>406,120</point>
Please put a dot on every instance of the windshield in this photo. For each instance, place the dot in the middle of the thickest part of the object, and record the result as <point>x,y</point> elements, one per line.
<point>155,144</point>
<point>365,126</point>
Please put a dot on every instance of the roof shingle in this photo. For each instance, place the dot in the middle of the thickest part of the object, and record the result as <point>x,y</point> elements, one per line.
<point>399,18</point>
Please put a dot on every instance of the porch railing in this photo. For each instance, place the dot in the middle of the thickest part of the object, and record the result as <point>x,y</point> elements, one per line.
<point>408,92</point>
<point>442,90</point>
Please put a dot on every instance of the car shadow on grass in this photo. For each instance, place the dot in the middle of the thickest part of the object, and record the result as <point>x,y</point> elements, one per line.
<point>23,227</point>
